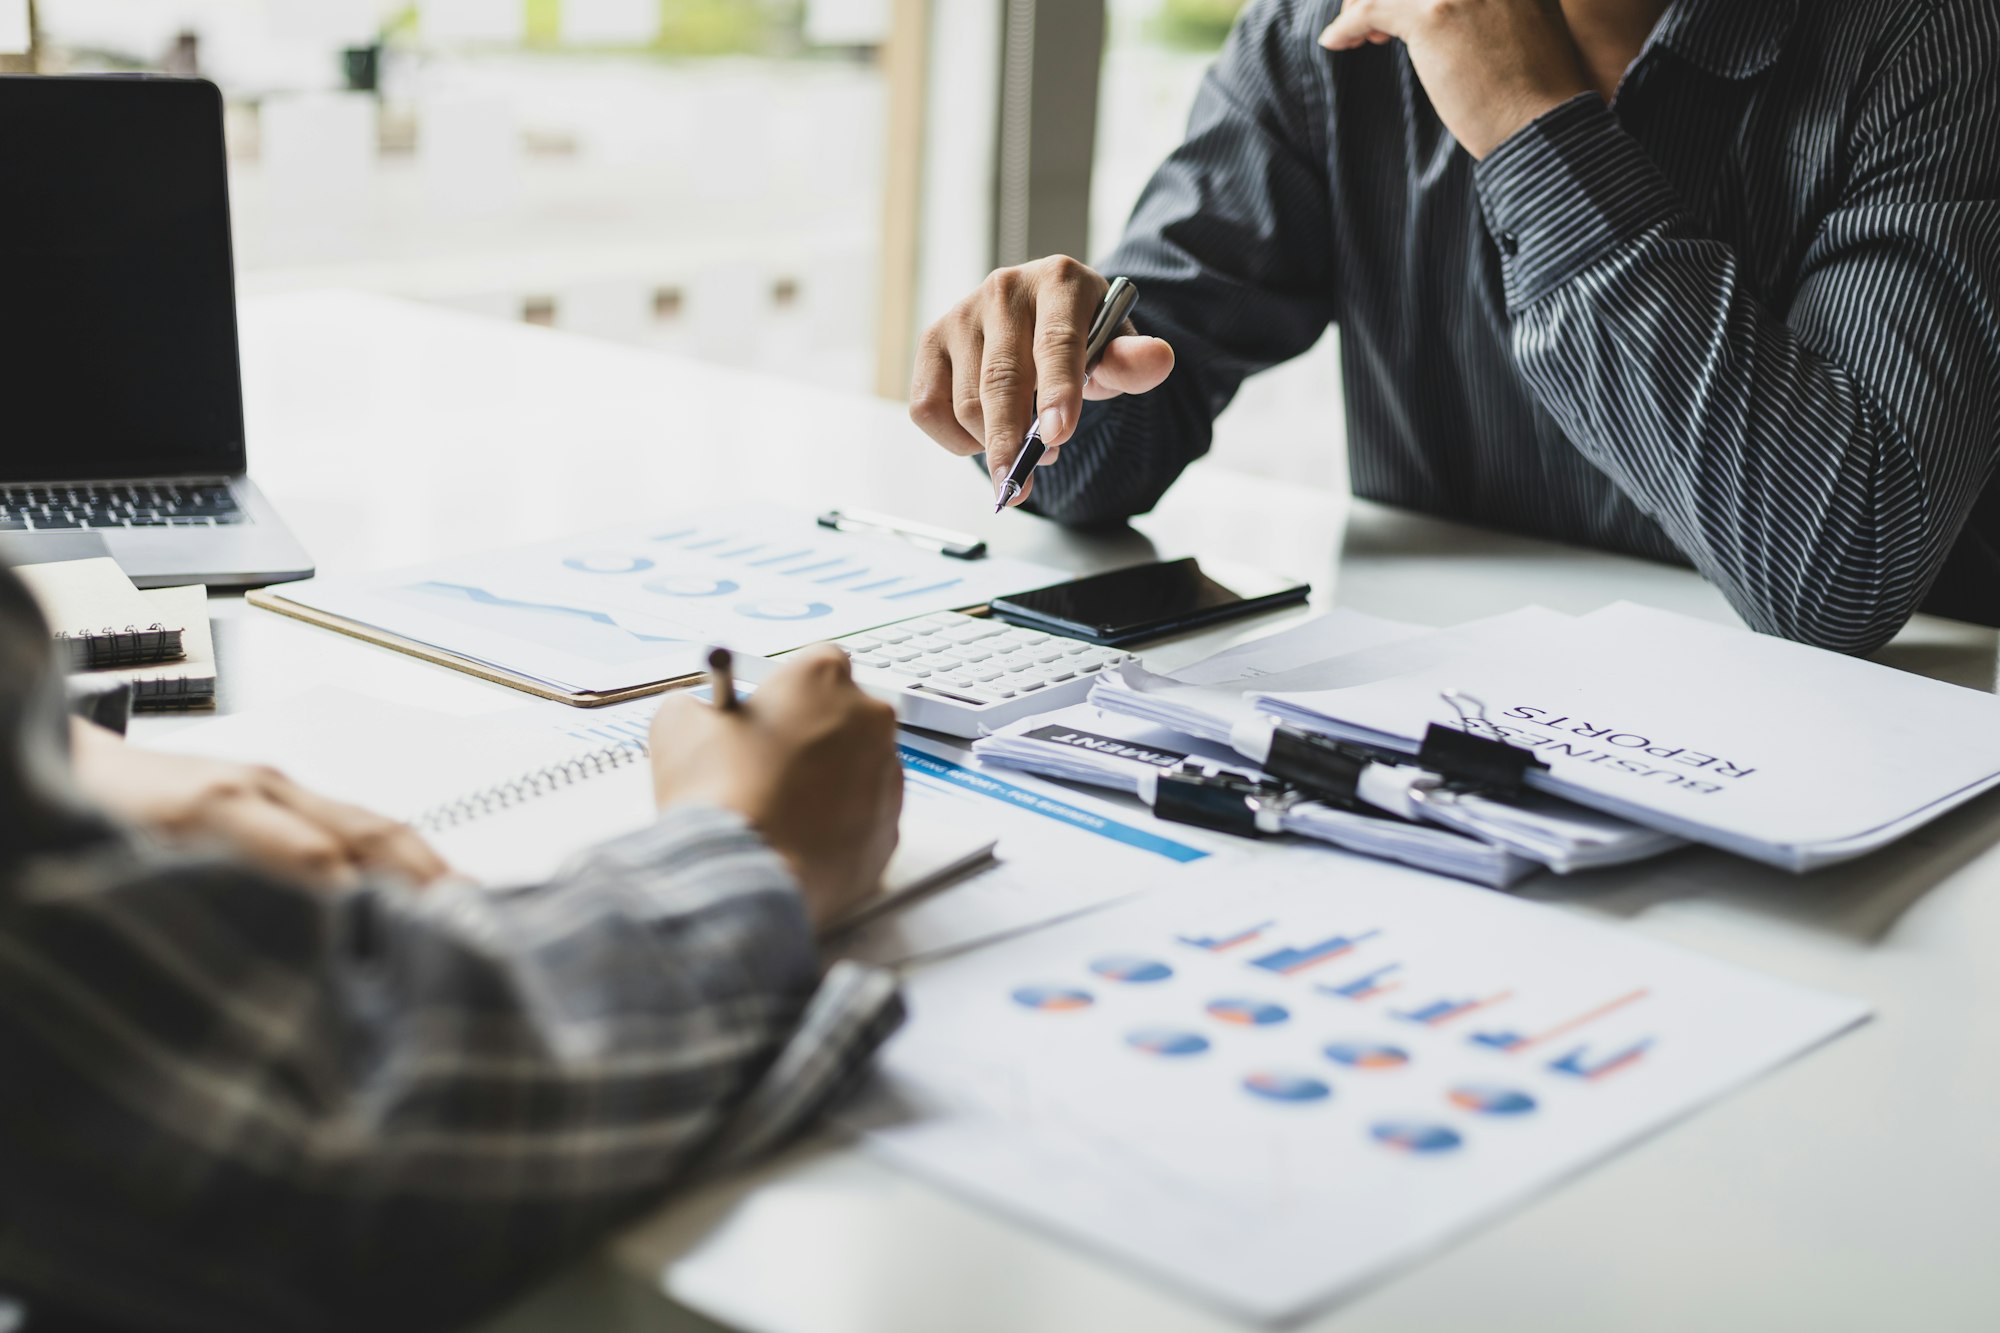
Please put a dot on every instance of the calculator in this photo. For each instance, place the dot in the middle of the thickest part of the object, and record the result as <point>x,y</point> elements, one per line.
<point>966,675</point>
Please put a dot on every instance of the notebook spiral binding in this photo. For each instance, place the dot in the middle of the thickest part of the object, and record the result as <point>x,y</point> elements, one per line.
<point>110,647</point>
<point>504,796</point>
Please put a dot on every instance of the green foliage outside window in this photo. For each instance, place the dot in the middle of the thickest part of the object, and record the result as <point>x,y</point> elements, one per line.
<point>1200,24</point>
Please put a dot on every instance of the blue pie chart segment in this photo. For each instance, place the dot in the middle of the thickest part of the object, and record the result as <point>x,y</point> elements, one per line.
<point>1248,1013</point>
<point>1367,1055</point>
<point>1413,1136</point>
<point>1167,1041</point>
<point>1053,999</point>
<point>1488,1100</point>
<point>1131,968</point>
<point>1275,1086</point>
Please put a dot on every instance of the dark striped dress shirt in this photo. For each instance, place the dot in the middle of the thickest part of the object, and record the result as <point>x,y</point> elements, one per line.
<point>1747,317</point>
<point>229,1102</point>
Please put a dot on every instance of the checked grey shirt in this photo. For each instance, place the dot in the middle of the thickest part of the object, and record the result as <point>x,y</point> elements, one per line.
<point>1746,318</point>
<point>230,1102</point>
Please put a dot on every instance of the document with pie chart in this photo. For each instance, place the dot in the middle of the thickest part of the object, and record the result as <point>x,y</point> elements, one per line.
<point>1290,1073</point>
<point>615,609</point>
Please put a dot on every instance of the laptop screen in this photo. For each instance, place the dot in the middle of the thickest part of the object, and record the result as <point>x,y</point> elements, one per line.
<point>117,297</point>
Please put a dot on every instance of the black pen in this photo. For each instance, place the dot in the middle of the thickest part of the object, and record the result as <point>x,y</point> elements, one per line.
<point>722,679</point>
<point>1111,317</point>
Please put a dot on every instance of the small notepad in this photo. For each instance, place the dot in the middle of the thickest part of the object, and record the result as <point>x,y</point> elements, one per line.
<point>99,617</point>
<point>190,681</point>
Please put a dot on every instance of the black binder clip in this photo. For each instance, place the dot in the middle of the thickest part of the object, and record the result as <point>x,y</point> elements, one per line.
<point>1327,769</point>
<point>1221,802</point>
<point>1480,762</point>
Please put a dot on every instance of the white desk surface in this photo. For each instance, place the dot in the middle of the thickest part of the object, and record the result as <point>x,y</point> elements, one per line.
<point>1855,1189</point>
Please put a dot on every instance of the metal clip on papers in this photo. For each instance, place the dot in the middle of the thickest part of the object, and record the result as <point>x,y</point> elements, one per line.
<point>1327,769</point>
<point>1222,802</point>
<point>1484,763</point>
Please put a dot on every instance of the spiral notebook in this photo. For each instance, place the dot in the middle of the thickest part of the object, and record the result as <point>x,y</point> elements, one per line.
<point>507,804</point>
<point>99,618</point>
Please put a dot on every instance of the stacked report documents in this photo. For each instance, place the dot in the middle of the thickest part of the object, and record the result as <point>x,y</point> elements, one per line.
<point>1217,702</point>
<point>1081,744</point>
<point>1775,751</point>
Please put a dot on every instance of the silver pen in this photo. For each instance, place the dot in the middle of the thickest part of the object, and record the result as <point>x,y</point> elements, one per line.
<point>1111,317</point>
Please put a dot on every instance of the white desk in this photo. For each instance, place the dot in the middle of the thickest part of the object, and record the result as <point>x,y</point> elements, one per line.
<point>1854,1190</point>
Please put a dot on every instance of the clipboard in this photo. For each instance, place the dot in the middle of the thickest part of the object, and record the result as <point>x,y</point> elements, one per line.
<point>268,599</point>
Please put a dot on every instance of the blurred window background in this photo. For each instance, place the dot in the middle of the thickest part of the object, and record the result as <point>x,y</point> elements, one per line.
<point>710,177</point>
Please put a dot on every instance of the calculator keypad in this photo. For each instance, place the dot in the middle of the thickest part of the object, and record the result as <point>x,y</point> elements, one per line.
<point>981,661</point>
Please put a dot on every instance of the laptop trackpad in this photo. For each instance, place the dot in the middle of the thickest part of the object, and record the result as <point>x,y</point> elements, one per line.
<point>35,548</point>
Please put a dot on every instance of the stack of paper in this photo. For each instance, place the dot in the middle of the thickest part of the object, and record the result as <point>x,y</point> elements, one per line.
<point>1775,751</point>
<point>1235,699</point>
<point>1081,744</point>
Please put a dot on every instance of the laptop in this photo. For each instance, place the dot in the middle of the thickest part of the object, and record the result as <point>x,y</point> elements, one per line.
<point>121,394</point>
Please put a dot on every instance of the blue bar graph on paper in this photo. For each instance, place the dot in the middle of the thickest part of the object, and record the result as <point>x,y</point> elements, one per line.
<point>919,592</point>
<point>1288,961</point>
<point>1578,1064</point>
<point>1439,1012</point>
<point>1367,985</point>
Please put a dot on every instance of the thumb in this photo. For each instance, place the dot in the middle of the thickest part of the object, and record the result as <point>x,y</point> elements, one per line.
<point>1132,363</point>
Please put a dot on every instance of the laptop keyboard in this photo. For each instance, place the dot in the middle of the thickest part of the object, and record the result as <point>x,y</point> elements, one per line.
<point>135,504</point>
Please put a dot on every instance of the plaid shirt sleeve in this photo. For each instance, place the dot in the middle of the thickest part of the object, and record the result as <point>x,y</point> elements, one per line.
<point>234,1103</point>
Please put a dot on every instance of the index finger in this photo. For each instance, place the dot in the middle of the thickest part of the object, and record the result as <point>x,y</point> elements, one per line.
<point>1006,376</point>
<point>1064,310</point>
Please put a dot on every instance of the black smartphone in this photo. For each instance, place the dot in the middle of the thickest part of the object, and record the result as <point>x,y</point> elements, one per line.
<point>1148,601</point>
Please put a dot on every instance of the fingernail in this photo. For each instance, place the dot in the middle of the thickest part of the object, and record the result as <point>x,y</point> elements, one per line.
<point>1326,36</point>
<point>1052,423</point>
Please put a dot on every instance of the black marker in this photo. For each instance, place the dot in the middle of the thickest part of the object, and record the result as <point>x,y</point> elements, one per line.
<point>1111,317</point>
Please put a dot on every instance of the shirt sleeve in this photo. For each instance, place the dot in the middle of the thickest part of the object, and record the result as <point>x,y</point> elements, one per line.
<point>381,1109</point>
<point>1228,248</point>
<point>1815,462</point>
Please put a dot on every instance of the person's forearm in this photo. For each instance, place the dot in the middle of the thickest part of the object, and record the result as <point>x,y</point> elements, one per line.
<point>442,1095</point>
<point>1821,507</point>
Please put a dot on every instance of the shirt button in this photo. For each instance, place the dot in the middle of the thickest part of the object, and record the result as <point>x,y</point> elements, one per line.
<point>1510,244</point>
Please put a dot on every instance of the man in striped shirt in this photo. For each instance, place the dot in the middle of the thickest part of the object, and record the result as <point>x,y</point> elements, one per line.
<point>252,1076</point>
<point>1712,281</point>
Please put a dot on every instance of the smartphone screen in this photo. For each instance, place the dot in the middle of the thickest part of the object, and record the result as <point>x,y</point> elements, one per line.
<point>1147,601</point>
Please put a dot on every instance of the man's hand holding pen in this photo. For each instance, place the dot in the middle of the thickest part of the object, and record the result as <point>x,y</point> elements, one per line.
<point>1018,347</point>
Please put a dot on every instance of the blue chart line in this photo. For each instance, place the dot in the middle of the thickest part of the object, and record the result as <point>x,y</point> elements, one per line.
<point>707,543</point>
<point>965,779</point>
<point>880,583</point>
<point>809,569</point>
<point>842,578</point>
<point>484,598</point>
<point>1224,943</point>
<point>675,535</point>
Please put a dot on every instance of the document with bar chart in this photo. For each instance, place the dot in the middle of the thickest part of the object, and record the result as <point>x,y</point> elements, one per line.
<point>1278,1079</point>
<point>609,610</point>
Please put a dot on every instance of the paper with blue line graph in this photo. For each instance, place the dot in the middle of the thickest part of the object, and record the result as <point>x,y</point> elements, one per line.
<point>609,610</point>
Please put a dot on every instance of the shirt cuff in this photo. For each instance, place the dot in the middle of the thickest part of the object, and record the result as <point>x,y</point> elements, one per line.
<point>1566,191</point>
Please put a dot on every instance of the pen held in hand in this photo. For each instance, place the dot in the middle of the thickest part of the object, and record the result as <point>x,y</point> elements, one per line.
<point>722,679</point>
<point>1115,309</point>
